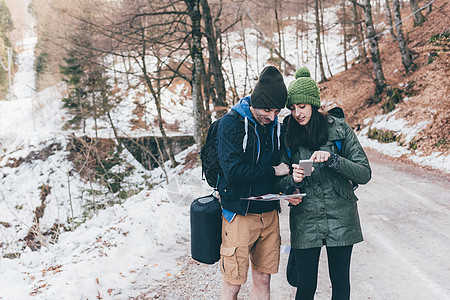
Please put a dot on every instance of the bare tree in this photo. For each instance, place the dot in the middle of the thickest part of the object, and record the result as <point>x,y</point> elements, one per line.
<point>318,47</point>
<point>418,16</point>
<point>322,26</point>
<point>359,33</point>
<point>407,58</point>
<point>193,7</point>
<point>246,58</point>
<point>138,40</point>
<point>278,20</point>
<point>231,81</point>
<point>269,45</point>
<point>344,32</point>
<point>429,7</point>
<point>297,35</point>
<point>216,68</point>
<point>380,81</point>
<point>389,19</point>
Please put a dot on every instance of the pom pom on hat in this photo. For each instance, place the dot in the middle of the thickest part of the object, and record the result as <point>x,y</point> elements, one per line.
<point>303,89</point>
<point>302,72</point>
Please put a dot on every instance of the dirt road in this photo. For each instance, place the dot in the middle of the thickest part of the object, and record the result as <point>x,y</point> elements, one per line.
<point>405,215</point>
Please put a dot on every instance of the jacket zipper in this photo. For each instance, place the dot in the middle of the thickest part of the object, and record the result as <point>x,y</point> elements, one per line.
<point>250,190</point>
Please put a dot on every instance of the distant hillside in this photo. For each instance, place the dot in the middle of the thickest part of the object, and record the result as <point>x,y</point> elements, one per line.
<point>420,121</point>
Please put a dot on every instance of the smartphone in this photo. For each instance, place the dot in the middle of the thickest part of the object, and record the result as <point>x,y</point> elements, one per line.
<point>306,165</point>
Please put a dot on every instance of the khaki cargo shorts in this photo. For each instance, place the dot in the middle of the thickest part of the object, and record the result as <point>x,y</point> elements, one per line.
<point>256,236</point>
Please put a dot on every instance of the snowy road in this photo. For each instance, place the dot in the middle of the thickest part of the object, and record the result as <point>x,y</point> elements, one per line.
<point>406,221</point>
<point>405,216</point>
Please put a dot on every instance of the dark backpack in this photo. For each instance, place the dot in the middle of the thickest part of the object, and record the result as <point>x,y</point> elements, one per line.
<point>208,156</point>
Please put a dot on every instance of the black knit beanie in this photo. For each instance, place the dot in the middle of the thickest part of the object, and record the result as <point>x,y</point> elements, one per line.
<point>270,90</point>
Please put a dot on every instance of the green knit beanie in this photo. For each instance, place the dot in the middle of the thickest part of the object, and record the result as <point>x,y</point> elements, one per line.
<point>303,89</point>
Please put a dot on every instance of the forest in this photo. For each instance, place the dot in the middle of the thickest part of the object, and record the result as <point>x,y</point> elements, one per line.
<point>90,44</point>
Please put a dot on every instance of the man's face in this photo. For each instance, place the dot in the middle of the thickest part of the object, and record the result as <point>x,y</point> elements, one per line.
<point>264,115</point>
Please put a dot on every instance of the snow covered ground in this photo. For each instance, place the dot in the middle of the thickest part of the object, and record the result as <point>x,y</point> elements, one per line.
<point>120,251</point>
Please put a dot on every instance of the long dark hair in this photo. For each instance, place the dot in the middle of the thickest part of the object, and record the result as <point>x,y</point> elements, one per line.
<point>312,136</point>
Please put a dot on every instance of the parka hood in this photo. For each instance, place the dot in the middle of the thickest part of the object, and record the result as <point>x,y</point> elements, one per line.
<point>243,109</point>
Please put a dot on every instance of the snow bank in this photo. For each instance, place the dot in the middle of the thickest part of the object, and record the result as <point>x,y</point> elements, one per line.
<point>125,249</point>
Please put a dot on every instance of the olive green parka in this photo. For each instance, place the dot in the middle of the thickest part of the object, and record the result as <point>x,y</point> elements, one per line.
<point>329,210</point>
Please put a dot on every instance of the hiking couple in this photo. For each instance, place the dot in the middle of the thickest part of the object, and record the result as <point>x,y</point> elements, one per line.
<point>257,156</point>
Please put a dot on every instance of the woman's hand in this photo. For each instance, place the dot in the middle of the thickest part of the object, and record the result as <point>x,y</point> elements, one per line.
<point>320,156</point>
<point>298,173</point>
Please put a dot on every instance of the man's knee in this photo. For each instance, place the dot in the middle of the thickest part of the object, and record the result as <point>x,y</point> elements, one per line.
<point>260,278</point>
<point>229,290</point>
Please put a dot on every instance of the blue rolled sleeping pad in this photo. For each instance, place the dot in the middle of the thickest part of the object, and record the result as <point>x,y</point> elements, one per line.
<point>206,229</point>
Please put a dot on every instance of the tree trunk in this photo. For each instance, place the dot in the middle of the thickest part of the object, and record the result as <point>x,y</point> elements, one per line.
<point>418,16</point>
<point>157,97</point>
<point>306,32</point>
<point>280,47</point>
<point>216,67</point>
<point>377,11</point>
<point>429,8</point>
<point>288,66</point>
<point>297,52</point>
<point>116,135</point>
<point>232,84</point>
<point>196,82</point>
<point>244,44</point>
<point>95,114</point>
<point>208,91</point>
<point>322,26</point>
<point>380,82</point>
<point>407,58</point>
<point>82,104</point>
<point>359,34</point>
<point>208,94</point>
<point>318,48</point>
<point>389,19</point>
<point>344,31</point>
<point>257,53</point>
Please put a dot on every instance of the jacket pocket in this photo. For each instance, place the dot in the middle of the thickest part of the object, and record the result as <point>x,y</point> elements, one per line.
<point>228,262</point>
<point>345,192</point>
<point>346,207</point>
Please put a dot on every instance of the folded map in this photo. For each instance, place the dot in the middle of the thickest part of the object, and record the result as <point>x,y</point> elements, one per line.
<point>272,197</point>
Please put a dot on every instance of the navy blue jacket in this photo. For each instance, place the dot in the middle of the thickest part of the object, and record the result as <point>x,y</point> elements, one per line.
<point>243,174</point>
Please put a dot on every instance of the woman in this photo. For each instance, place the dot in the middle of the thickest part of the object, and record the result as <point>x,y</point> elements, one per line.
<point>327,215</point>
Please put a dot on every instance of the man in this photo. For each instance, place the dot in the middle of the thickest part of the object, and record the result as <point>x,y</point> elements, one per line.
<point>248,142</point>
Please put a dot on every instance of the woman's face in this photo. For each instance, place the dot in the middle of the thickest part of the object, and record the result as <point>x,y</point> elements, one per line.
<point>301,113</point>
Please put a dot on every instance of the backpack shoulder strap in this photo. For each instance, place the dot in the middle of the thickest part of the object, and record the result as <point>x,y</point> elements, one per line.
<point>338,144</point>
<point>337,112</point>
<point>245,140</point>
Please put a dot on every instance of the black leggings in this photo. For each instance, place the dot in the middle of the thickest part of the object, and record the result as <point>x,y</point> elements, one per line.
<point>307,263</point>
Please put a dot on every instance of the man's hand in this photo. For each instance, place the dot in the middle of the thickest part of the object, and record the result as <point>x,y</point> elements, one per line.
<point>296,200</point>
<point>281,170</point>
